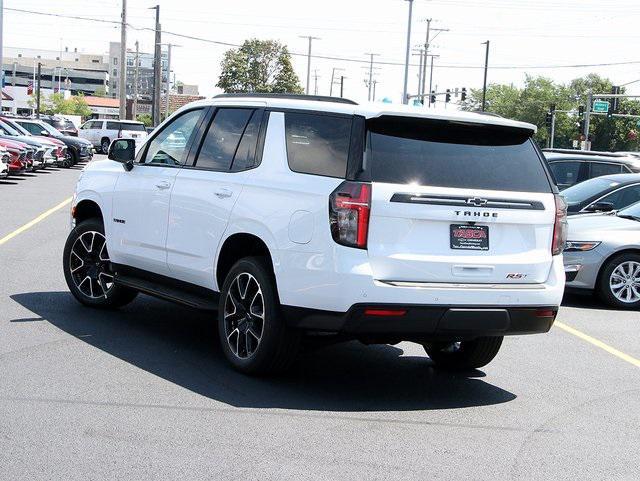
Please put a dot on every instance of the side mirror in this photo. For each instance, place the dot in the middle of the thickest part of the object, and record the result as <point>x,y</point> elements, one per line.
<point>600,207</point>
<point>44,133</point>
<point>124,151</point>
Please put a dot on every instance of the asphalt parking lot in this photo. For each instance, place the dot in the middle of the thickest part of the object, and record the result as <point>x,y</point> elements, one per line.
<point>144,392</point>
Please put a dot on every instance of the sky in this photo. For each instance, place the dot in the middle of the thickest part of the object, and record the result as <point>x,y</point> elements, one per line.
<point>535,37</point>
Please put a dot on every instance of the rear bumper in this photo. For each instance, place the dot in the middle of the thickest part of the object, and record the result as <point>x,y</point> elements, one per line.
<point>424,322</point>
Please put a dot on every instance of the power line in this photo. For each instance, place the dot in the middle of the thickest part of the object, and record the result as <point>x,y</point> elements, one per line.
<point>330,57</point>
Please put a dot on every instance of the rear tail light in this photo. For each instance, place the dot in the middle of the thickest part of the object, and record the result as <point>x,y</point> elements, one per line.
<point>349,207</point>
<point>560,226</point>
<point>385,312</point>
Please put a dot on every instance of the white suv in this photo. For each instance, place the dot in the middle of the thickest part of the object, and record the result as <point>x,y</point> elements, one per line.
<point>301,216</point>
<point>102,132</point>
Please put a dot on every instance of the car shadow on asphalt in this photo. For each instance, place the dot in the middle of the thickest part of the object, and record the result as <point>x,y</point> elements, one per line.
<point>180,345</point>
<point>584,301</point>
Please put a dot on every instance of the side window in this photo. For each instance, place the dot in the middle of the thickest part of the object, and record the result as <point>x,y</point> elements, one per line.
<point>169,146</point>
<point>113,126</point>
<point>318,144</point>
<point>222,139</point>
<point>623,197</point>
<point>96,124</point>
<point>601,168</point>
<point>246,153</point>
<point>34,129</point>
<point>565,173</point>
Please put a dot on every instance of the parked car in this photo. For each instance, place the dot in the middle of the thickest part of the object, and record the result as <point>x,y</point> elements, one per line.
<point>447,231</point>
<point>5,158</point>
<point>41,148</point>
<point>603,194</point>
<point>19,153</point>
<point>62,125</point>
<point>55,150</point>
<point>570,167</point>
<point>603,255</point>
<point>102,132</point>
<point>79,150</point>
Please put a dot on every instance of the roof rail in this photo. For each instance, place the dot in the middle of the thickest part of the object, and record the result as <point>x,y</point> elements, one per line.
<point>586,152</point>
<point>316,98</point>
<point>489,114</point>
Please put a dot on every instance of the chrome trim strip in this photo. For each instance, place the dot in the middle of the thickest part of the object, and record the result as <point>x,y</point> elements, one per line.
<point>459,201</point>
<point>456,285</point>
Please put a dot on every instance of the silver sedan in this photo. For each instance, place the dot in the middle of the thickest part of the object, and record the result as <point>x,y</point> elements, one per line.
<point>603,255</point>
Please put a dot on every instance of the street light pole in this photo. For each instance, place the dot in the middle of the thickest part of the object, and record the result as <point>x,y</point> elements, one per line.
<point>486,67</point>
<point>157,66</point>
<point>123,62</point>
<point>405,91</point>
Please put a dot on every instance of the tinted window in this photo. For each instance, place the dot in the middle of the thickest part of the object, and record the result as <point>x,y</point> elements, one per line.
<point>623,197</point>
<point>169,146</point>
<point>222,139</point>
<point>113,125</point>
<point>96,124</point>
<point>34,129</point>
<point>133,127</point>
<point>318,144</point>
<point>246,153</point>
<point>444,154</point>
<point>599,168</point>
<point>565,173</point>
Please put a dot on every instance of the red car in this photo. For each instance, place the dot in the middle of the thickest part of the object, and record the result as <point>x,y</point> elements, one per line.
<point>18,151</point>
<point>54,154</point>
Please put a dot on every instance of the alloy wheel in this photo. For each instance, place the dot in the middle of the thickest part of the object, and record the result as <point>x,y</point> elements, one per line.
<point>244,315</point>
<point>90,265</point>
<point>624,282</point>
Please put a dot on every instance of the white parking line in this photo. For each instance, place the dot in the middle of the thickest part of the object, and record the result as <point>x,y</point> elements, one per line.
<point>30,224</point>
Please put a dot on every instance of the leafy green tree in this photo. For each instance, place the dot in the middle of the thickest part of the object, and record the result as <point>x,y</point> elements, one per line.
<point>145,119</point>
<point>259,66</point>
<point>57,104</point>
<point>531,104</point>
<point>100,92</point>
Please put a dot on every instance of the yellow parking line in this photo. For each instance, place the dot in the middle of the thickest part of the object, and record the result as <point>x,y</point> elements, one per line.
<point>598,343</point>
<point>30,224</point>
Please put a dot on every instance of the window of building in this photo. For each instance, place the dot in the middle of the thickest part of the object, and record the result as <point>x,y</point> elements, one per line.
<point>115,60</point>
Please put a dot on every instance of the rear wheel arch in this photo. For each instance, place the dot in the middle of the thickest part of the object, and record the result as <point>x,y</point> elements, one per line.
<point>236,247</point>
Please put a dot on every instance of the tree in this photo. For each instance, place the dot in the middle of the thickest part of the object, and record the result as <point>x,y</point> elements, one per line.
<point>100,92</point>
<point>531,104</point>
<point>145,119</point>
<point>57,104</point>
<point>259,66</point>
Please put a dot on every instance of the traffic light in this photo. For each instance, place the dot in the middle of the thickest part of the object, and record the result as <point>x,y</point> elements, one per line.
<point>580,125</point>
<point>447,97</point>
<point>433,96</point>
<point>463,94</point>
<point>614,101</point>
<point>552,108</point>
<point>549,119</point>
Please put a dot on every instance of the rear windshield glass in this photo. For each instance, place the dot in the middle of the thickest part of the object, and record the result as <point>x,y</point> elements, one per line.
<point>578,193</point>
<point>133,127</point>
<point>446,154</point>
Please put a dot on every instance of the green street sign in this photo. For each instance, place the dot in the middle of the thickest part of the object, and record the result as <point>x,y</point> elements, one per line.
<point>601,106</point>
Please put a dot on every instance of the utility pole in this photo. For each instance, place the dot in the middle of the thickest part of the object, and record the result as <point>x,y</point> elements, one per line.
<point>342,77</point>
<point>486,67</point>
<point>315,78</point>
<point>310,39</point>
<point>587,115</point>
<point>375,82</point>
<point>166,98</point>
<point>38,91</point>
<point>420,81</point>
<point>157,69</point>
<point>371,55</point>
<point>553,129</point>
<point>426,53</point>
<point>134,112</point>
<point>333,79</point>
<point>405,92</point>
<point>123,62</point>
<point>431,77</point>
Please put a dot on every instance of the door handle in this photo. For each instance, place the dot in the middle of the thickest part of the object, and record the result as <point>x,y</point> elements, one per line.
<point>223,193</point>
<point>163,185</point>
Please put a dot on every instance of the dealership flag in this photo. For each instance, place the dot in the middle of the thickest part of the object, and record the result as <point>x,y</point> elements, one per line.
<point>30,88</point>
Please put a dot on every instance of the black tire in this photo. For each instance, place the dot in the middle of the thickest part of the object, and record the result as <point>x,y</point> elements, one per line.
<point>465,354</point>
<point>73,159</point>
<point>107,295</point>
<point>278,345</point>
<point>104,145</point>
<point>604,283</point>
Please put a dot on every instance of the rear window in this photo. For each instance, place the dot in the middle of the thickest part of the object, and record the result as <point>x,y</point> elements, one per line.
<point>446,154</point>
<point>583,191</point>
<point>318,144</point>
<point>133,127</point>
